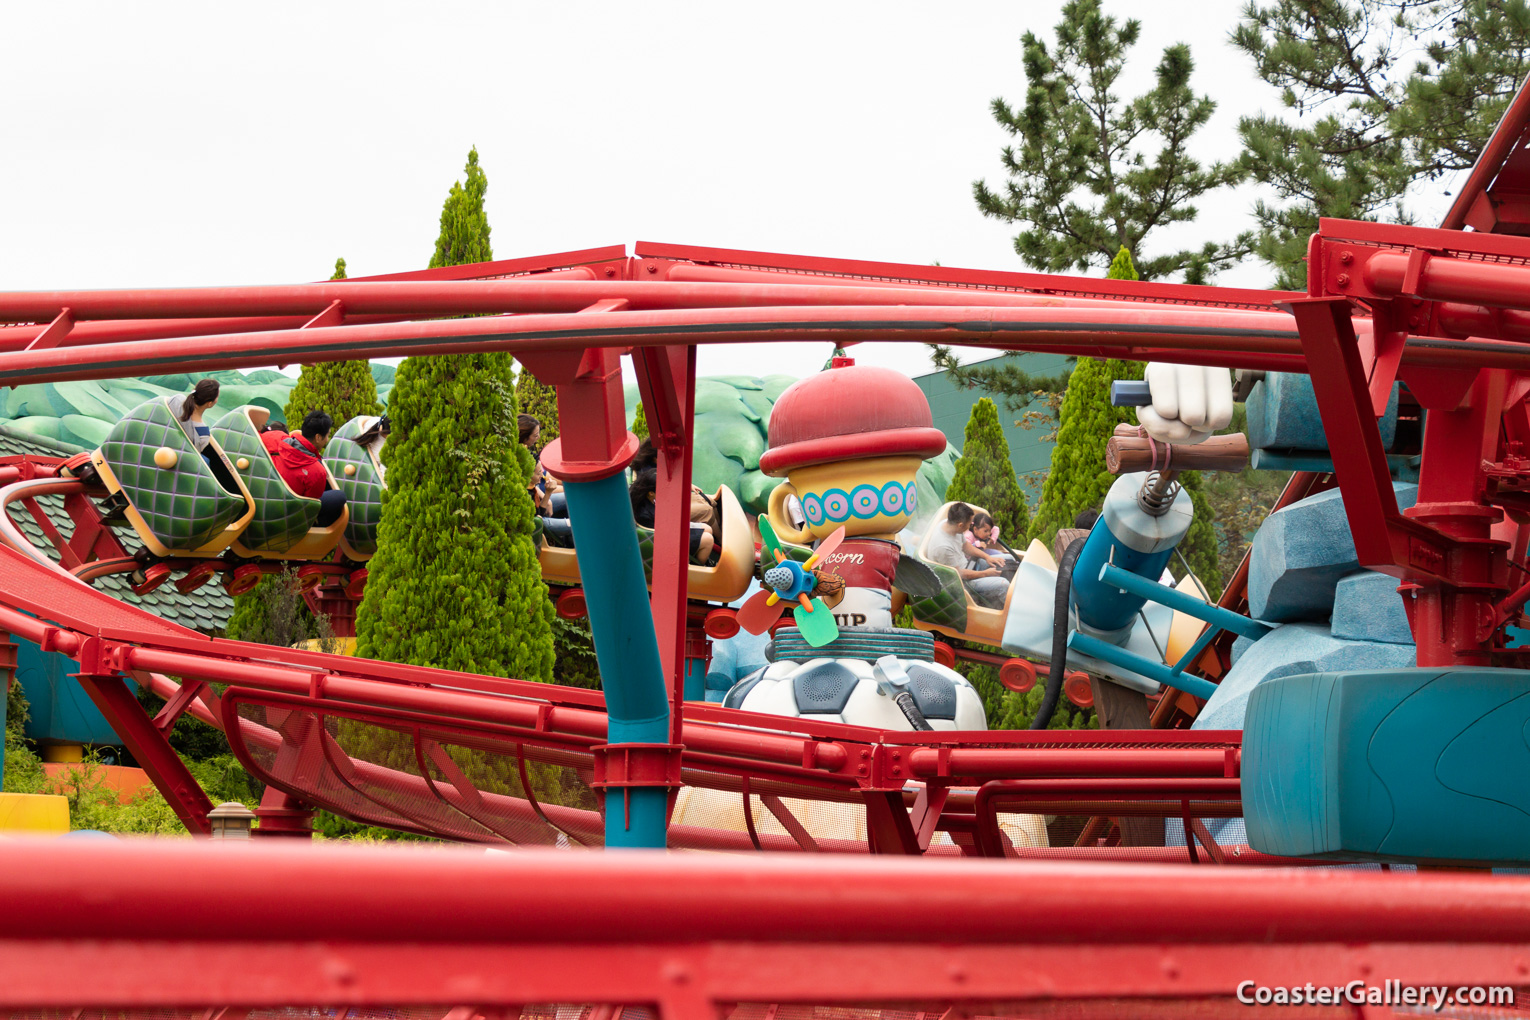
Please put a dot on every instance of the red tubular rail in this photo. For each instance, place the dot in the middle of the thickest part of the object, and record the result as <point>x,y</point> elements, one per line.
<point>928,762</point>
<point>424,299</point>
<point>1222,796</point>
<point>269,926</point>
<point>135,891</point>
<point>524,714</point>
<point>1239,337</point>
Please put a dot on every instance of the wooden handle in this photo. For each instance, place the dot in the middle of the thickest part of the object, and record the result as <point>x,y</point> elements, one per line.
<point>1125,453</point>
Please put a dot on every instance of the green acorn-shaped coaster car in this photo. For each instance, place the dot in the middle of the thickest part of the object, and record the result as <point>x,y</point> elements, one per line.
<point>283,526</point>
<point>179,503</point>
<point>353,458</point>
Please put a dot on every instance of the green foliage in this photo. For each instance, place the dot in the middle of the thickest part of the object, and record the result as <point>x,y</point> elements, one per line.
<point>1239,501</point>
<point>191,738</point>
<point>94,805</point>
<point>1201,547</point>
<point>1008,710</point>
<point>1083,179</point>
<point>1000,377</point>
<point>274,613</point>
<point>1361,125</point>
<point>1078,479</point>
<point>574,646</point>
<point>455,583</point>
<point>640,422</point>
<point>343,389</point>
<point>540,401</point>
<point>17,709</point>
<point>985,476</point>
<point>464,236</point>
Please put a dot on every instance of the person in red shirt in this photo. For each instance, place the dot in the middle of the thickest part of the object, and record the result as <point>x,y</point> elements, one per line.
<point>298,462</point>
<point>271,435</point>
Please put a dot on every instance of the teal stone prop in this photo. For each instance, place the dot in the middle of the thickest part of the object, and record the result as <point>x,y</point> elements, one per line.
<point>184,507</point>
<point>1286,651</point>
<point>1283,415</point>
<point>282,517</point>
<point>1300,554</point>
<point>1367,607</point>
<point>1408,765</point>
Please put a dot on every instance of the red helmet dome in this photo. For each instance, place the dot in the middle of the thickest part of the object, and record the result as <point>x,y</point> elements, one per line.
<point>850,412</point>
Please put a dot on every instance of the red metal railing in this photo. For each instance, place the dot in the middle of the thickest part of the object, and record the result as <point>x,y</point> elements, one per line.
<point>144,927</point>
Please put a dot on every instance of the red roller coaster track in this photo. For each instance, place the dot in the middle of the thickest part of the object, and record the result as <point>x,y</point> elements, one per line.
<point>1444,310</point>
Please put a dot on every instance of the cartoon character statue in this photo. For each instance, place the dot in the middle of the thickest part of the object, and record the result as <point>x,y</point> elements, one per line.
<point>849,442</point>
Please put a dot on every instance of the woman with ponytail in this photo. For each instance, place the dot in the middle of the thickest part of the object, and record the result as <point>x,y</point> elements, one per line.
<point>204,396</point>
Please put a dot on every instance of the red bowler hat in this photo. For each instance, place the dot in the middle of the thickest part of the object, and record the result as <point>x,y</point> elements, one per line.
<point>850,412</point>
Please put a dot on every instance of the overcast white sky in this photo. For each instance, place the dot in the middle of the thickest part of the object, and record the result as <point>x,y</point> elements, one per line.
<point>200,144</point>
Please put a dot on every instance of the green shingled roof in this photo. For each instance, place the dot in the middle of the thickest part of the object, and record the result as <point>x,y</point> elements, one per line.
<point>207,609</point>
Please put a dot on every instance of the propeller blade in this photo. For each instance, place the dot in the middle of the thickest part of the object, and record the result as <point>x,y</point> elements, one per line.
<point>768,538</point>
<point>815,623</point>
<point>762,610</point>
<point>827,546</point>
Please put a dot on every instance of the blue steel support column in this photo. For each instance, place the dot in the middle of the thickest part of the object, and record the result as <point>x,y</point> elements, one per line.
<point>695,679</point>
<point>616,592</point>
<point>590,455</point>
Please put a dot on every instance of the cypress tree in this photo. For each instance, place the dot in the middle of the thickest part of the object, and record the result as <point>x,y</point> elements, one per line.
<point>344,389</point>
<point>985,476</point>
<point>1078,479</point>
<point>640,422</point>
<point>540,401</point>
<point>455,582</point>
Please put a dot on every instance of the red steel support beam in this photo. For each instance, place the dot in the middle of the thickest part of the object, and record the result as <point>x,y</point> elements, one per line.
<point>149,747</point>
<point>667,383</point>
<point>1384,540</point>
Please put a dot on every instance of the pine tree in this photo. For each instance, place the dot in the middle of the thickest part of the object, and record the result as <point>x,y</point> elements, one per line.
<point>1083,181</point>
<point>540,401</point>
<point>455,582</point>
<point>1363,125</point>
<point>640,422</point>
<point>985,476</point>
<point>1078,479</point>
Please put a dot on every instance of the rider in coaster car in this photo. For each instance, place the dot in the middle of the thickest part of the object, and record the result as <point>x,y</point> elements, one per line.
<point>702,512</point>
<point>546,491</point>
<point>299,464</point>
<point>202,398</point>
<point>949,546</point>
<point>271,435</point>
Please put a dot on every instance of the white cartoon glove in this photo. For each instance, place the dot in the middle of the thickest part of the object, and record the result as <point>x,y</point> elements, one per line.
<point>1190,402</point>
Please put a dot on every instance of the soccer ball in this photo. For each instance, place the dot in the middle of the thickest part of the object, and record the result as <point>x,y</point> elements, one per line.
<point>844,690</point>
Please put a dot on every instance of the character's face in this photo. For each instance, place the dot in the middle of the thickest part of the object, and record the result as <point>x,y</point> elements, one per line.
<point>535,439</point>
<point>985,532</point>
<point>872,496</point>
<point>320,442</point>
